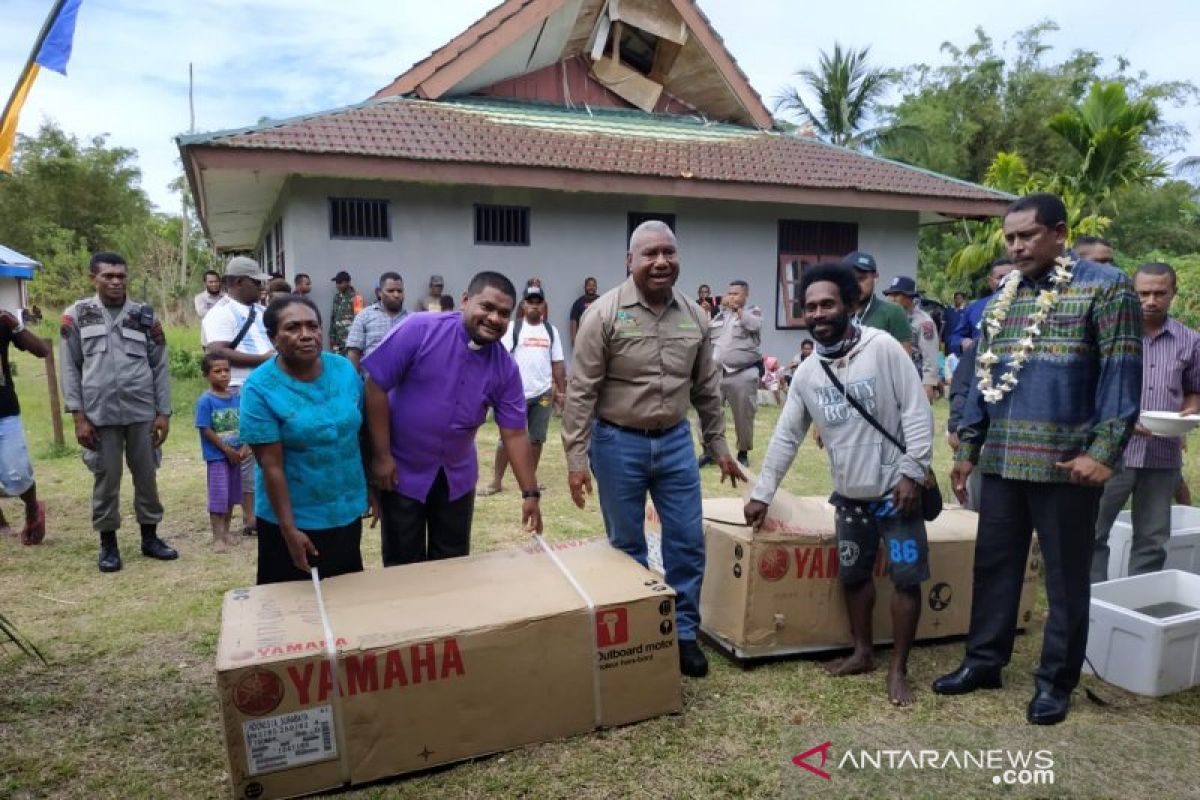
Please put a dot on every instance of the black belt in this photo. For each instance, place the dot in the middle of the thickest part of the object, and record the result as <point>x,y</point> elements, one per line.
<point>650,433</point>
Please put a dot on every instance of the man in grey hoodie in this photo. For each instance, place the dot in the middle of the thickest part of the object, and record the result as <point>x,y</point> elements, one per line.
<point>877,486</point>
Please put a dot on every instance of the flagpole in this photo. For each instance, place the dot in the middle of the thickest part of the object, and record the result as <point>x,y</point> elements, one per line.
<point>37,46</point>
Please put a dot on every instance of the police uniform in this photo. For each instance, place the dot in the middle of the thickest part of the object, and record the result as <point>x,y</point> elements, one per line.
<point>925,343</point>
<point>736,340</point>
<point>115,370</point>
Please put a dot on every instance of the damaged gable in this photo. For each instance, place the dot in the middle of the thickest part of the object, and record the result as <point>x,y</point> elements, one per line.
<point>655,55</point>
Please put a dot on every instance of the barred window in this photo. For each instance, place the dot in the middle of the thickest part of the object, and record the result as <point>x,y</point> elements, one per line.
<point>503,225</point>
<point>802,244</point>
<point>356,218</point>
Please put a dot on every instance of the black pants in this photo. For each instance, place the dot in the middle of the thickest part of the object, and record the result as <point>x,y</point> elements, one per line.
<point>339,551</point>
<point>426,531</point>
<point>1065,518</point>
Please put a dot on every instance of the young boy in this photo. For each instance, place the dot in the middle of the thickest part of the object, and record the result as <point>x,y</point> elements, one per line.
<point>217,420</point>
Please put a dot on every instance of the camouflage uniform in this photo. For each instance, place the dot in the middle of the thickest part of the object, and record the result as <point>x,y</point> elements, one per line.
<point>340,320</point>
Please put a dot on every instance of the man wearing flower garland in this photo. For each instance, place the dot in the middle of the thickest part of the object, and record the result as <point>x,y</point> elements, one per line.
<point>1059,382</point>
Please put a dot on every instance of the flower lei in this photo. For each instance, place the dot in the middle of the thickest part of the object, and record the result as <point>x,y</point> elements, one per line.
<point>994,321</point>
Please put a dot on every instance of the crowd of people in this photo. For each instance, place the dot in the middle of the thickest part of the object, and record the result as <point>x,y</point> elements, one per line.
<point>308,422</point>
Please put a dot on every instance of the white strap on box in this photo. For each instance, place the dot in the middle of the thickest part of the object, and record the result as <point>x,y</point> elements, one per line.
<point>591,605</point>
<point>339,732</point>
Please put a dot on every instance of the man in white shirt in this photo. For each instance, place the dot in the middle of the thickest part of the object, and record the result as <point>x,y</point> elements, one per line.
<point>537,348</point>
<point>234,330</point>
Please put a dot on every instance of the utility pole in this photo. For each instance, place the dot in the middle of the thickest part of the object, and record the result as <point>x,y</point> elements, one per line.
<point>55,407</point>
<point>185,226</point>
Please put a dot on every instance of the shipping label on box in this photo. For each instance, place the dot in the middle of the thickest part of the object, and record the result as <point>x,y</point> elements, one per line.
<point>777,591</point>
<point>439,662</point>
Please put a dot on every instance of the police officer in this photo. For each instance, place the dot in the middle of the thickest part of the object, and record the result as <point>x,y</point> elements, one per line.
<point>903,292</point>
<point>115,383</point>
<point>736,332</point>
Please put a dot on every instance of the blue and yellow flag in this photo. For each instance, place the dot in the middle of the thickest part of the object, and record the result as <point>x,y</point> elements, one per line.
<point>52,51</point>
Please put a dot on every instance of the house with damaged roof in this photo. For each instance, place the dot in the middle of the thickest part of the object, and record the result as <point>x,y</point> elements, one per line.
<point>535,141</point>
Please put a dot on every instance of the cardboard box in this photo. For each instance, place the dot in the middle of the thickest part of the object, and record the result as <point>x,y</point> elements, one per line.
<point>777,592</point>
<point>438,662</point>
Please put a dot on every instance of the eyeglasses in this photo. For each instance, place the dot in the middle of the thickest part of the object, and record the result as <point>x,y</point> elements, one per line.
<point>535,300</point>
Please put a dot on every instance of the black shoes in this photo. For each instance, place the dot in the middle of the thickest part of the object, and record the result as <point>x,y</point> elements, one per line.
<point>110,557</point>
<point>157,548</point>
<point>1048,707</point>
<point>965,680</point>
<point>692,662</point>
<point>152,547</point>
<point>743,458</point>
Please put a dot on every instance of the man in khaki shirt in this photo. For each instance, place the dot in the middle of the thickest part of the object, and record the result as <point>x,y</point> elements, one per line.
<point>736,333</point>
<point>643,354</point>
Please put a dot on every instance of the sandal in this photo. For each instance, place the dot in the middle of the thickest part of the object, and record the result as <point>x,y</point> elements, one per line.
<point>249,530</point>
<point>35,531</point>
<point>488,491</point>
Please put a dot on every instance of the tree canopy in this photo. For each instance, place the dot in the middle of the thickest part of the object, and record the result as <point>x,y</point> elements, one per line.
<point>66,199</point>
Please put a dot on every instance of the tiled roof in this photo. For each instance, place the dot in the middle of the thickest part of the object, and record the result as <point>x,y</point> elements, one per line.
<point>521,134</point>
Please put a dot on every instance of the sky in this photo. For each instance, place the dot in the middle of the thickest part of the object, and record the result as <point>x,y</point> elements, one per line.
<point>128,75</point>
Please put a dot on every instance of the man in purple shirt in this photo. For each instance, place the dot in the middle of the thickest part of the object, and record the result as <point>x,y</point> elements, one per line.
<point>429,385</point>
<point>1151,464</point>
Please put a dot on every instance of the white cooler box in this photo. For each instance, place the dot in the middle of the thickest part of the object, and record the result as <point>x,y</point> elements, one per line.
<point>1144,632</point>
<point>1183,548</point>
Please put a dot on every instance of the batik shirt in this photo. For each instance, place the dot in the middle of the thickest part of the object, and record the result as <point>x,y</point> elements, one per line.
<point>1079,390</point>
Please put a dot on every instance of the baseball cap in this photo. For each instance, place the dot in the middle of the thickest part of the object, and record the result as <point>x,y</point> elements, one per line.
<point>534,291</point>
<point>436,280</point>
<point>342,276</point>
<point>902,284</point>
<point>862,261</point>
<point>245,267</point>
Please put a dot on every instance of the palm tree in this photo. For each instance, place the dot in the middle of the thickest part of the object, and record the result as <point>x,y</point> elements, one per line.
<point>1188,166</point>
<point>846,88</point>
<point>1106,130</point>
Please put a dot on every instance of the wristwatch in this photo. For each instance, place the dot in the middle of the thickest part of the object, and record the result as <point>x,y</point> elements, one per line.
<point>533,494</point>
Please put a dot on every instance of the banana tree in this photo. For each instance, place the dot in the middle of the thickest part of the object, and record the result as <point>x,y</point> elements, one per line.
<point>1008,172</point>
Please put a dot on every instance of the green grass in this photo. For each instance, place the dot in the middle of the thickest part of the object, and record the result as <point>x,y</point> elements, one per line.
<point>127,707</point>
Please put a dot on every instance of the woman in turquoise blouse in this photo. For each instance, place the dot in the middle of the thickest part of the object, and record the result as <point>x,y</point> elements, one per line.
<point>301,413</point>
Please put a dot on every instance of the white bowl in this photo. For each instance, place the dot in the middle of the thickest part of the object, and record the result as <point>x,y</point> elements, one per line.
<point>1168,423</point>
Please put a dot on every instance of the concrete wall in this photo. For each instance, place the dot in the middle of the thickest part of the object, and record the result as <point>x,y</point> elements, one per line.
<point>572,236</point>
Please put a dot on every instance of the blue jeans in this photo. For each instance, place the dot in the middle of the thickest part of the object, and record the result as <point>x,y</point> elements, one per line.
<point>627,465</point>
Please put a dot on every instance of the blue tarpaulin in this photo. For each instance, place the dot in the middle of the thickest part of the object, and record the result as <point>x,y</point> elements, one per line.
<point>15,265</point>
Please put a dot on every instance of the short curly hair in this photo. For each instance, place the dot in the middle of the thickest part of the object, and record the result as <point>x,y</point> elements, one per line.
<point>840,275</point>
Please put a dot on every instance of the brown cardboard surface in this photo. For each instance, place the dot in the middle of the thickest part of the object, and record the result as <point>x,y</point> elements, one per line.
<point>777,591</point>
<point>438,662</point>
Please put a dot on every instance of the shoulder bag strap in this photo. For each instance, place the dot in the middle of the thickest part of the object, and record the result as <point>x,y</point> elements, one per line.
<point>245,328</point>
<point>516,334</point>
<point>858,407</point>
